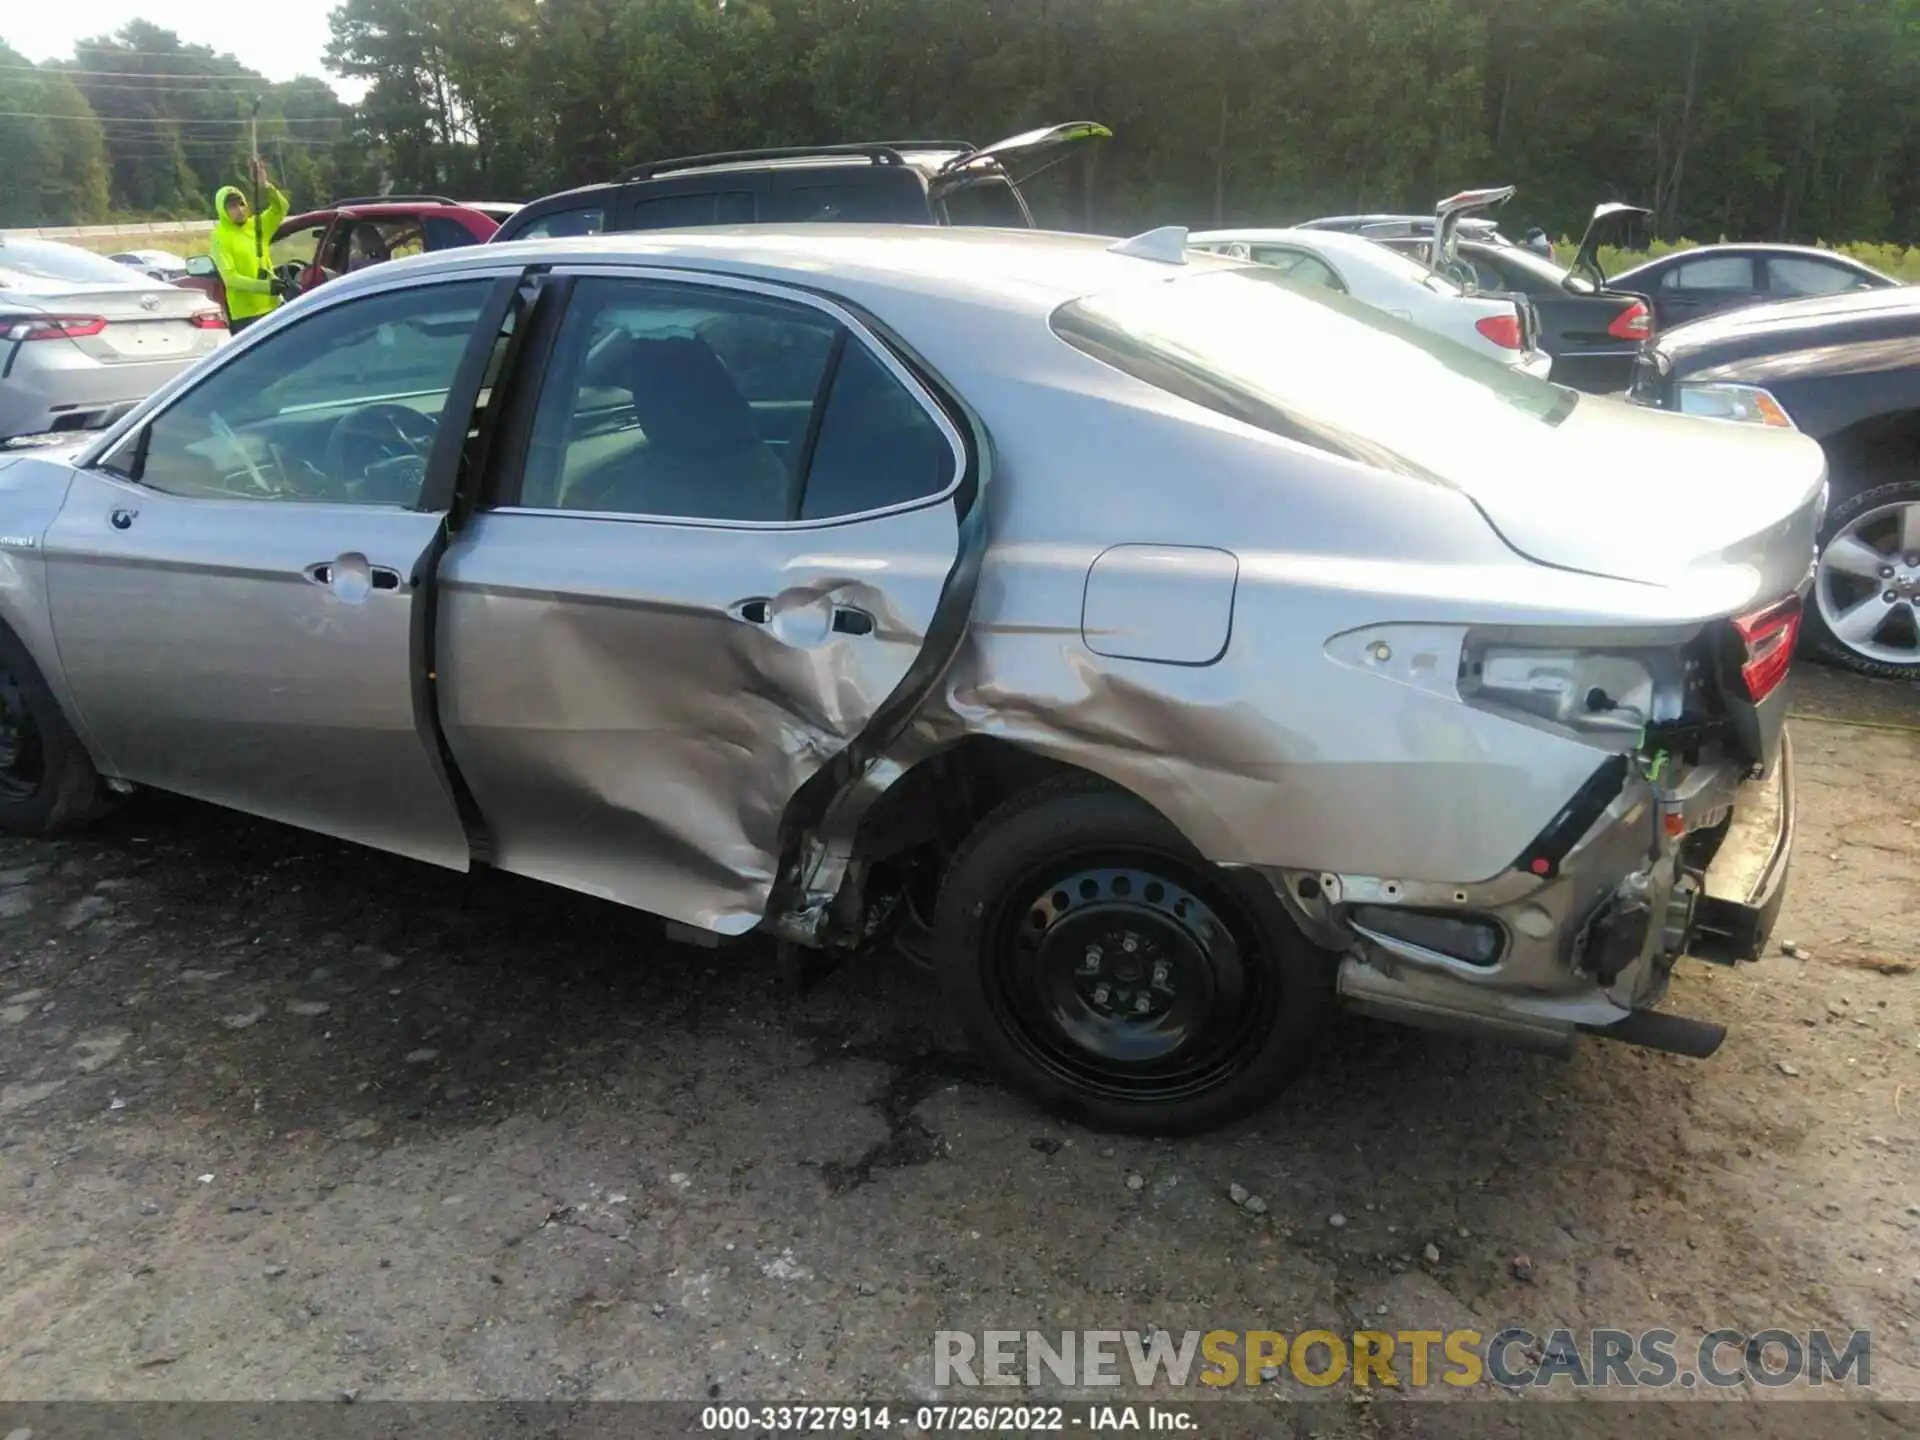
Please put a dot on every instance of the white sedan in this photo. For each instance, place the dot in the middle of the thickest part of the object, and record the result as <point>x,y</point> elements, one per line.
<point>1501,327</point>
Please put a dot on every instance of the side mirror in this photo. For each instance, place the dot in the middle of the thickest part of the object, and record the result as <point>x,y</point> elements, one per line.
<point>201,265</point>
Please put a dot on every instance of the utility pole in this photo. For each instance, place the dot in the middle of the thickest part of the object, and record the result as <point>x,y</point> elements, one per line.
<point>253,168</point>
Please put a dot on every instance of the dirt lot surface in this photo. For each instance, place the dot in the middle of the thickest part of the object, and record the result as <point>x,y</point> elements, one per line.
<point>284,1118</point>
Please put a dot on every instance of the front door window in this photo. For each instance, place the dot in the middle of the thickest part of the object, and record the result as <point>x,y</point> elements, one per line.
<point>341,408</point>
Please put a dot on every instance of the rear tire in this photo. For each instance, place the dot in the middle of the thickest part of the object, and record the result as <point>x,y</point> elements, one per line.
<point>47,781</point>
<point>1112,974</point>
<point>1870,519</point>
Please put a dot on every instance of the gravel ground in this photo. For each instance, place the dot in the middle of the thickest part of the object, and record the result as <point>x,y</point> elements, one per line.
<point>280,1118</point>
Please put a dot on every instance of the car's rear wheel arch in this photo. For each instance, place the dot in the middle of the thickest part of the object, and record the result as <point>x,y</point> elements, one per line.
<point>1215,998</point>
<point>944,796</point>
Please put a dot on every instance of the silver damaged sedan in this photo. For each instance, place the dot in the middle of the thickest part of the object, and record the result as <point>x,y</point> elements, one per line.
<point>1166,652</point>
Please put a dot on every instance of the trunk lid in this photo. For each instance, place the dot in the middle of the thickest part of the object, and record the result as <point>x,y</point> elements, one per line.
<point>1639,494</point>
<point>1022,156</point>
<point>144,322</point>
<point>1606,218</point>
<point>1448,214</point>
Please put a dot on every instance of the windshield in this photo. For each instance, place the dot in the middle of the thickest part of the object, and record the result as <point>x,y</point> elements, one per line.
<point>1318,367</point>
<point>23,263</point>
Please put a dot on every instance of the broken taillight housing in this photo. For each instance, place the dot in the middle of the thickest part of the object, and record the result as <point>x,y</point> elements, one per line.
<point>208,320</point>
<point>1633,323</point>
<point>1769,637</point>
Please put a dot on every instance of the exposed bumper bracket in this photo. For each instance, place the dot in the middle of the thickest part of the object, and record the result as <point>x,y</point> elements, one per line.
<point>1747,882</point>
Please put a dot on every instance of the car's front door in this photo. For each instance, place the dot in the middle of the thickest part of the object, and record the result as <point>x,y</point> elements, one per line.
<point>728,526</point>
<point>1705,285</point>
<point>235,587</point>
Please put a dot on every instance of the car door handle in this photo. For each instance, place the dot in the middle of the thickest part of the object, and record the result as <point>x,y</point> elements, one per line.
<point>383,577</point>
<point>851,620</point>
<point>847,619</point>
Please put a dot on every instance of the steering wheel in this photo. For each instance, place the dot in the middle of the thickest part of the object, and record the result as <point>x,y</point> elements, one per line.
<point>379,452</point>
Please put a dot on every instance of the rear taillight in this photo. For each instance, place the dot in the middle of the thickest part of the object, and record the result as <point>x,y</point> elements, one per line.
<point>1502,330</point>
<point>52,327</point>
<point>1633,323</point>
<point>208,320</point>
<point>1769,637</point>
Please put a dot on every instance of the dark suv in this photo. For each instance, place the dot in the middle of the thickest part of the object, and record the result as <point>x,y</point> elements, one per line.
<point>897,182</point>
<point>1844,370</point>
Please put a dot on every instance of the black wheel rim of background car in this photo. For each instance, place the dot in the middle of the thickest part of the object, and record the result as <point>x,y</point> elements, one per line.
<point>1166,1019</point>
<point>22,763</point>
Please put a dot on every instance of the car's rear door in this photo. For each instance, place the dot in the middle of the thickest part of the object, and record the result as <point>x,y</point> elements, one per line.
<point>721,562</point>
<point>236,585</point>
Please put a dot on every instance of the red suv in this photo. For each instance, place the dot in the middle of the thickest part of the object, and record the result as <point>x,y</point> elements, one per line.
<point>314,247</point>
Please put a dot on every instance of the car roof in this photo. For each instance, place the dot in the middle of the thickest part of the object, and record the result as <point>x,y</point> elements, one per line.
<point>1334,241</point>
<point>1029,270</point>
<point>1336,244</point>
<point>1757,247</point>
<point>926,161</point>
<point>402,208</point>
<point>1340,222</point>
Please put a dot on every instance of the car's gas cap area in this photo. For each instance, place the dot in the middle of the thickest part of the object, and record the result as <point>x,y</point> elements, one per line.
<point>1172,604</point>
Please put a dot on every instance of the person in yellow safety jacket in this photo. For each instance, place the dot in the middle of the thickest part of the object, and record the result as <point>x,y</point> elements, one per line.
<point>239,249</point>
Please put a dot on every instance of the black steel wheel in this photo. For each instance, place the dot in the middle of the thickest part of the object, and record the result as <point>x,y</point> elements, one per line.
<point>1113,974</point>
<point>23,759</point>
<point>47,781</point>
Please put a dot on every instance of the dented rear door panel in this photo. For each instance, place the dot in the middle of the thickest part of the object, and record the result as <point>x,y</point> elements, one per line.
<point>633,703</point>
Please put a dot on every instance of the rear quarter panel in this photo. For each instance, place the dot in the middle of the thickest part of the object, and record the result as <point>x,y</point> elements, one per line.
<point>1283,752</point>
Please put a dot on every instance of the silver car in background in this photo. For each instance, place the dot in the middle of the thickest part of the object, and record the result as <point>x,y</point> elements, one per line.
<point>1167,652</point>
<point>1501,327</point>
<point>82,337</point>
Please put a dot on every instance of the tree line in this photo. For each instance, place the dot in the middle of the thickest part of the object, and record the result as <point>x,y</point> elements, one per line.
<point>140,124</point>
<point>1791,119</point>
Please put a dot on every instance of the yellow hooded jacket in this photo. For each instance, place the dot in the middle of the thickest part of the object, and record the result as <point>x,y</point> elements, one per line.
<point>245,270</point>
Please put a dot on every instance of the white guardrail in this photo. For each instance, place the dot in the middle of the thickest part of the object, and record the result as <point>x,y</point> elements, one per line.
<point>101,232</point>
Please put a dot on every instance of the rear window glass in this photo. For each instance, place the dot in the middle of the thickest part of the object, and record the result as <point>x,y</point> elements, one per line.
<point>445,234</point>
<point>989,202</point>
<point>25,262</point>
<point>562,224</point>
<point>1350,379</point>
<point>671,212</point>
<point>1794,276</point>
<point>859,204</point>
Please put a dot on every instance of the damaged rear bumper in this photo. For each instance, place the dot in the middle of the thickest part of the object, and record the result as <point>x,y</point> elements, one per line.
<point>1589,948</point>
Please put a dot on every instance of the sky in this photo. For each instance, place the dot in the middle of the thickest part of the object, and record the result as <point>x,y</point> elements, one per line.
<point>280,41</point>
